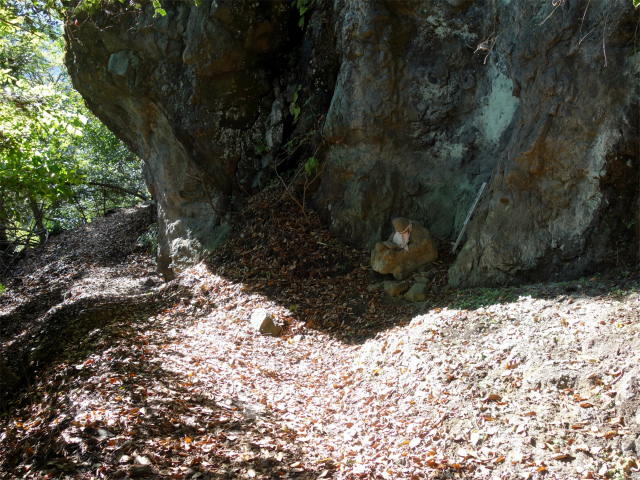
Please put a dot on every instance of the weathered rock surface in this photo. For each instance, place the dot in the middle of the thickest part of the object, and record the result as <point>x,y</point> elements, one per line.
<point>422,249</point>
<point>431,99</point>
<point>423,122</point>
<point>417,293</point>
<point>263,323</point>
<point>395,288</point>
<point>192,94</point>
<point>628,402</point>
<point>567,167</point>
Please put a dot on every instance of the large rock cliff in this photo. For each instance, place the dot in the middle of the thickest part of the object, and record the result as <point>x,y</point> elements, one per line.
<point>408,105</point>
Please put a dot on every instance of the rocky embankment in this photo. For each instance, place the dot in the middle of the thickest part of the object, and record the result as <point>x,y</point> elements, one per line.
<point>383,109</point>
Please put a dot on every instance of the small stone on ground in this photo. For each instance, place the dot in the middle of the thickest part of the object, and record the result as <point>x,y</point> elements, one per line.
<point>417,293</point>
<point>396,288</point>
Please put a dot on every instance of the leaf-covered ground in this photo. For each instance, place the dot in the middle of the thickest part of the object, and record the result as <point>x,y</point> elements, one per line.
<point>124,376</point>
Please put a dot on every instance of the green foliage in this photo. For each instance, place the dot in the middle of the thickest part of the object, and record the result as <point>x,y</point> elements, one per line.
<point>40,122</point>
<point>149,239</point>
<point>43,17</point>
<point>103,160</point>
<point>34,17</point>
<point>158,8</point>
<point>1,289</point>
<point>294,109</point>
<point>311,166</point>
<point>51,147</point>
<point>262,147</point>
<point>636,3</point>
<point>302,6</point>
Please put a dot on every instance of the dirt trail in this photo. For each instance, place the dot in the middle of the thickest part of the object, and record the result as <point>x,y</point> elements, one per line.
<point>168,380</point>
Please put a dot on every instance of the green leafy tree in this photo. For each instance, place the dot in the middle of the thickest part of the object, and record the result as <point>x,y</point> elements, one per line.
<point>39,122</point>
<point>111,177</point>
<point>50,173</point>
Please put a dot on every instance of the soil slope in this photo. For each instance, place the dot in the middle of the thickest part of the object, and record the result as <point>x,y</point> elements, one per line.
<point>125,376</point>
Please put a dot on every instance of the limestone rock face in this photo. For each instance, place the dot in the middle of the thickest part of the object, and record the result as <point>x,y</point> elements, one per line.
<point>422,249</point>
<point>408,106</point>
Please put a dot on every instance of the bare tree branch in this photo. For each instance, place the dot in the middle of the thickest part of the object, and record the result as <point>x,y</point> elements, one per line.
<point>120,189</point>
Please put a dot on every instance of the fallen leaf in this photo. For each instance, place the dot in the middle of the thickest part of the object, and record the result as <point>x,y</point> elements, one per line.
<point>492,398</point>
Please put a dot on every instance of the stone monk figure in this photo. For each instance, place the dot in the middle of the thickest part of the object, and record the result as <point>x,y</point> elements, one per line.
<point>402,234</point>
<point>408,248</point>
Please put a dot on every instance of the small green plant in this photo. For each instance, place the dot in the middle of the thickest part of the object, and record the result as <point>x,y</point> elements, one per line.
<point>148,240</point>
<point>618,292</point>
<point>262,147</point>
<point>1,289</point>
<point>294,109</point>
<point>56,228</point>
<point>158,8</point>
<point>311,166</point>
<point>303,6</point>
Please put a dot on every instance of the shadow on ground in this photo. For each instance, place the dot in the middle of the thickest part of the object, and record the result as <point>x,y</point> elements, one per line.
<point>292,259</point>
<point>112,410</point>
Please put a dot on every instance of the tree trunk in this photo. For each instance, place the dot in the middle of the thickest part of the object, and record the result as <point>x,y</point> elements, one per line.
<point>38,218</point>
<point>5,244</point>
<point>119,189</point>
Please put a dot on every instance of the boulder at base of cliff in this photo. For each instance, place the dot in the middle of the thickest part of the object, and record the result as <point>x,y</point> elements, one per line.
<point>421,250</point>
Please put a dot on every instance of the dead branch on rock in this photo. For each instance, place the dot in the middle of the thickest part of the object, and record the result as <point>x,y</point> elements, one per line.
<point>556,4</point>
<point>206,193</point>
<point>489,43</point>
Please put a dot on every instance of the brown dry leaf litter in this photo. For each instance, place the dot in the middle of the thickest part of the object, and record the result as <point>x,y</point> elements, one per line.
<point>524,387</point>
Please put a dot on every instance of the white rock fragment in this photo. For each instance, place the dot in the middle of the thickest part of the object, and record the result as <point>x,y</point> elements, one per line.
<point>263,322</point>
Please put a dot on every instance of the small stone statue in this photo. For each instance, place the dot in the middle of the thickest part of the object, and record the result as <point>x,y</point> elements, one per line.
<point>407,249</point>
<point>403,233</point>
